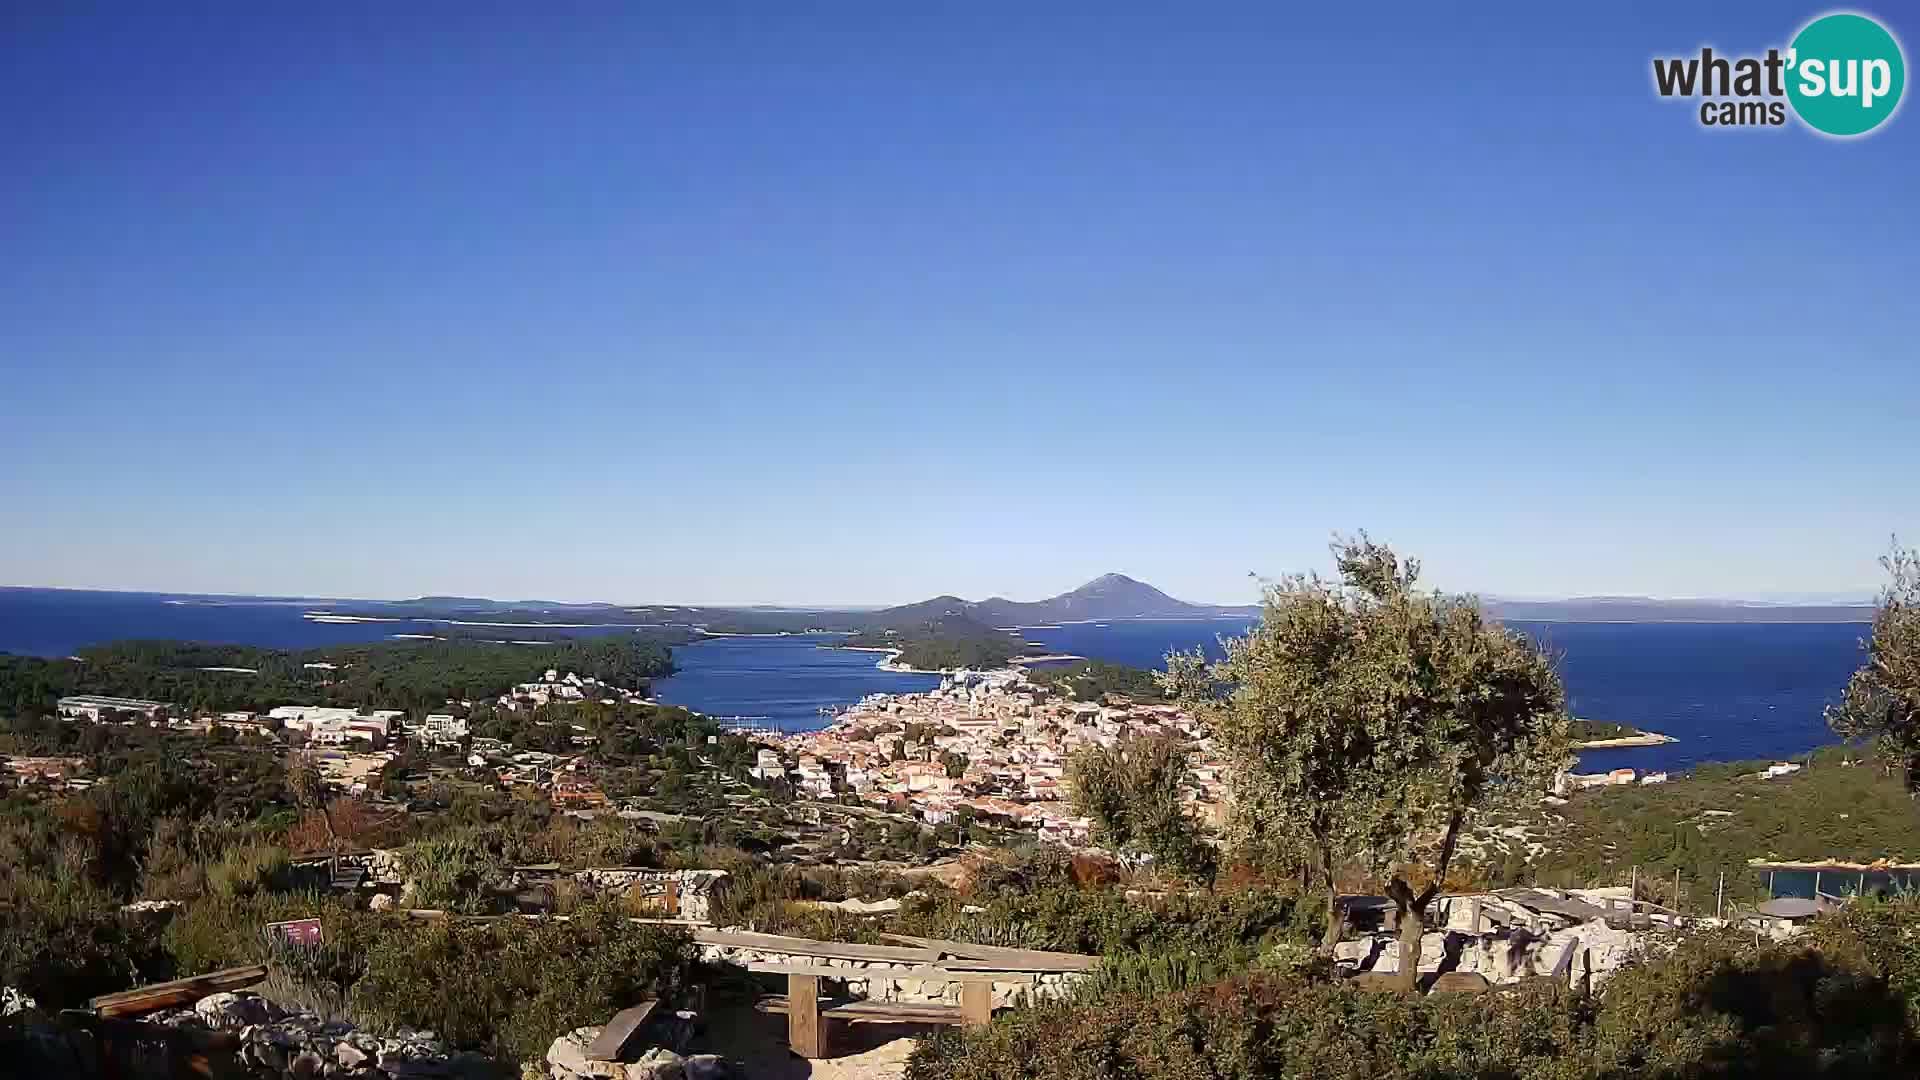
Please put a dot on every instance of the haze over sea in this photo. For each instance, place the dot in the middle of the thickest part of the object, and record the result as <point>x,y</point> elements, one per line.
<point>1726,691</point>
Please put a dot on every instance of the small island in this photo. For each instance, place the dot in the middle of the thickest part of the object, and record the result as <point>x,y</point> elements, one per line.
<point>1605,735</point>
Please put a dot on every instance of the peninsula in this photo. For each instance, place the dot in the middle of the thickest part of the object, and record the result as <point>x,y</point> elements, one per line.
<point>1603,735</point>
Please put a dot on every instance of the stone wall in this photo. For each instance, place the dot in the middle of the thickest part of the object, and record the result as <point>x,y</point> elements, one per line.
<point>272,1044</point>
<point>687,894</point>
<point>887,980</point>
<point>1505,956</point>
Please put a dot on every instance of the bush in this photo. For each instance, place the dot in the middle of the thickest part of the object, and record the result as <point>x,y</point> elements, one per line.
<point>1837,1004</point>
<point>63,940</point>
<point>1040,905</point>
<point>510,987</point>
<point>451,873</point>
<point>222,931</point>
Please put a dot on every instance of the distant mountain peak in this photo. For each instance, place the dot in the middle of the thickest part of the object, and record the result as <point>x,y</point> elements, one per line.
<point>1109,580</point>
<point>1109,596</point>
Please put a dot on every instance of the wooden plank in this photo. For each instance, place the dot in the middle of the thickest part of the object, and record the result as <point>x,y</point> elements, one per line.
<point>804,1030</point>
<point>976,1004</point>
<point>1014,959</point>
<point>838,950</point>
<point>1565,907</point>
<point>942,973</point>
<point>1563,967</point>
<point>897,1012</point>
<point>1008,971</point>
<point>902,1012</point>
<point>167,995</point>
<point>611,1044</point>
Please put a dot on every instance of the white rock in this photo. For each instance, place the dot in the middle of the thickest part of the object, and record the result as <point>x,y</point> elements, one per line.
<point>567,1057</point>
<point>658,1064</point>
<point>231,1012</point>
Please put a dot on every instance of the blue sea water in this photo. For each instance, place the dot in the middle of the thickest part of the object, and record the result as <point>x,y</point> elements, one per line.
<point>778,682</point>
<point>1726,691</point>
<point>55,622</point>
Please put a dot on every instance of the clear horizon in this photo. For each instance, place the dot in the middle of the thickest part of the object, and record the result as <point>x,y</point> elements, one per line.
<point>864,308</point>
<point>1859,599</point>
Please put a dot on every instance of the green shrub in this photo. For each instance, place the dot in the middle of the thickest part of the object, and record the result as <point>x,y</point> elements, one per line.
<point>451,873</point>
<point>224,930</point>
<point>63,940</point>
<point>509,987</point>
<point>1838,1004</point>
<point>248,868</point>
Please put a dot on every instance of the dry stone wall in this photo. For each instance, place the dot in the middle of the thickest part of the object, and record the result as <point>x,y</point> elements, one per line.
<point>887,980</point>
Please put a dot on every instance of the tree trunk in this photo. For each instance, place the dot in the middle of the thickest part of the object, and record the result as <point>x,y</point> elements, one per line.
<point>1336,922</point>
<point>1410,909</point>
<point>1336,919</point>
<point>333,846</point>
<point>1410,921</point>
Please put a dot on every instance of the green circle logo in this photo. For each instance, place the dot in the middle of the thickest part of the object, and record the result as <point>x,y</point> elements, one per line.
<point>1845,74</point>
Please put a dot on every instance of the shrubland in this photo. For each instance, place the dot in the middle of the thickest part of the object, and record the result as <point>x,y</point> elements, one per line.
<point>1840,1004</point>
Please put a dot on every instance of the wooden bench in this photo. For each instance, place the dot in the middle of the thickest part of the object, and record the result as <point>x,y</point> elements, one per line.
<point>807,1013</point>
<point>172,995</point>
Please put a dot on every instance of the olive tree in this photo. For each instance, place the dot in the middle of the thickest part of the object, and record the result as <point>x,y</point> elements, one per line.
<point>307,789</point>
<point>1364,719</point>
<point>1882,700</point>
<point>1131,791</point>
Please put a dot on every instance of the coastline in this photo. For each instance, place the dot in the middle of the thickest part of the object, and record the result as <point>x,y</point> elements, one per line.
<point>890,662</point>
<point>1645,738</point>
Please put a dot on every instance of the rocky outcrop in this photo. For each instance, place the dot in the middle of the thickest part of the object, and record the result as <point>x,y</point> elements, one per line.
<point>13,1001</point>
<point>1508,955</point>
<point>276,1043</point>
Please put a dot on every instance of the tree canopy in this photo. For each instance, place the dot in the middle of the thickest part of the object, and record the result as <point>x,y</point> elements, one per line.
<point>1882,700</point>
<point>1364,718</point>
<point>1131,790</point>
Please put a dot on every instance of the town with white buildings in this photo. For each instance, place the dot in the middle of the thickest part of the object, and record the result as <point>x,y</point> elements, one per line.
<point>986,744</point>
<point>351,745</point>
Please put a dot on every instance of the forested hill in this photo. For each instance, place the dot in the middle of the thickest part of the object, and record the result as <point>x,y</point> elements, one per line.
<point>942,643</point>
<point>412,675</point>
<point>1109,596</point>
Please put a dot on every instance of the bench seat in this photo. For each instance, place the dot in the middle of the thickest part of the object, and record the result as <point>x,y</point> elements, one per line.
<point>899,1012</point>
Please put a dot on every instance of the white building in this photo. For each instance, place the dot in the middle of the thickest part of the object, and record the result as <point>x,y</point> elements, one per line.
<point>305,718</point>
<point>96,706</point>
<point>442,729</point>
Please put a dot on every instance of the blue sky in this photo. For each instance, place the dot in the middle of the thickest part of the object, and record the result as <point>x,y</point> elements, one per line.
<point>867,305</point>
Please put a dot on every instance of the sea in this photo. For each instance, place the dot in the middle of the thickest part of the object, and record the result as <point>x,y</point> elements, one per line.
<point>1725,691</point>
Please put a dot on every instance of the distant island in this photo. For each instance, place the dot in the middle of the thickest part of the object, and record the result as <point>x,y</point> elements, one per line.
<point>947,633</point>
<point>1642,609</point>
<point>1605,735</point>
<point>1109,596</point>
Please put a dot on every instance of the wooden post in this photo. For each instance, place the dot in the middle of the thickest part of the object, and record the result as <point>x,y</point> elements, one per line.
<point>1720,897</point>
<point>976,1002</point>
<point>805,1034</point>
<point>1476,915</point>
